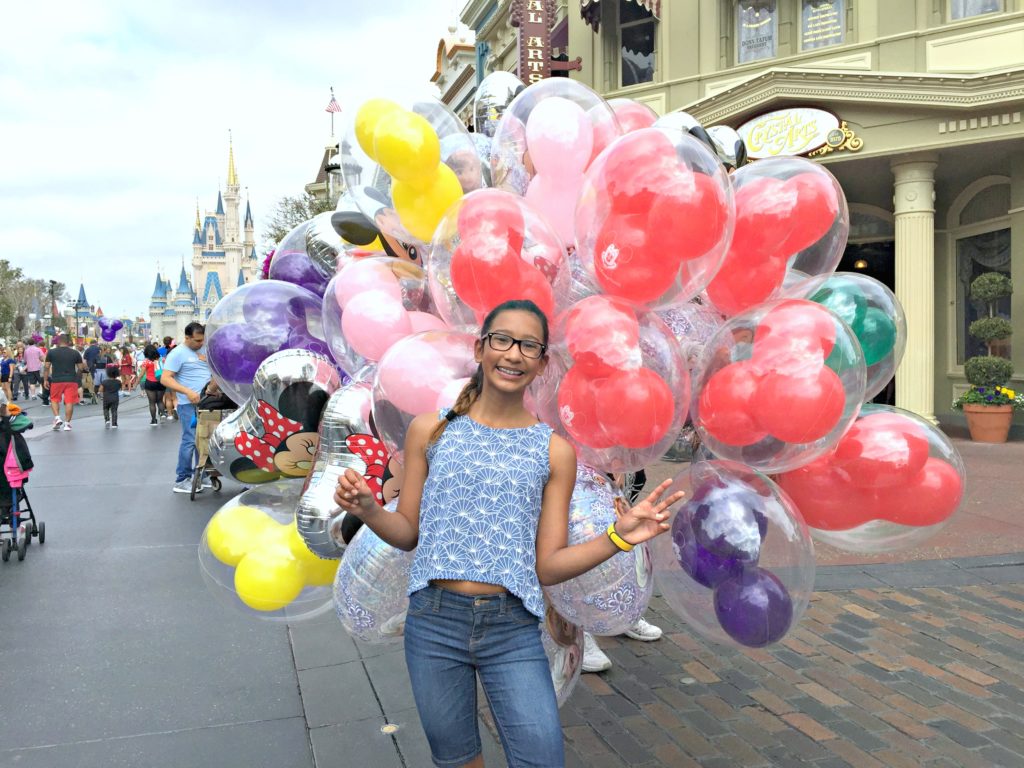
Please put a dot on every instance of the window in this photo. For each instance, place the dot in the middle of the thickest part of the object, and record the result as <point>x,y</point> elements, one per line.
<point>821,23</point>
<point>757,27</point>
<point>965,9</point>
<point>636,43</point>
<point>988,252</point>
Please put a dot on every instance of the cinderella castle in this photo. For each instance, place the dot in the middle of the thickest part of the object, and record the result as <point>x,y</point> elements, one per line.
<point>223,257</point>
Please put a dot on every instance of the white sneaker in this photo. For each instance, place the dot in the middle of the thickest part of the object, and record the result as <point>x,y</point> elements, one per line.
<point>183,486</point>
<point>206,482</point>
<point>57,423</point>
<point>594,659</point>
<point>67,426</point>
<point>643,631</point>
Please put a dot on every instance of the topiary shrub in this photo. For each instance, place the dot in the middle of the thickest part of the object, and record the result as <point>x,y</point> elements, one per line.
<point>990,287</point>
<point>988,371</point>
<point>989,329</point>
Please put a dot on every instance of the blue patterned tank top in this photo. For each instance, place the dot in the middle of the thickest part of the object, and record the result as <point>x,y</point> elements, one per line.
<point>480,508</point>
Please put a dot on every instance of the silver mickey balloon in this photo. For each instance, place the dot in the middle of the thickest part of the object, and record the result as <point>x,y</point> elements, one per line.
<point>370,588</point>
<point>273,434</point>
<point>729,146</point>
<point>685,122</point>
<point>493,96</point>
<point>563,645</point>
<point>323,243</point>
<point>345,442</point>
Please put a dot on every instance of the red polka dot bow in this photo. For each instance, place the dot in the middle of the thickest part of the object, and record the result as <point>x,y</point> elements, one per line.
<point>276,429</point>
<point>372,451</point>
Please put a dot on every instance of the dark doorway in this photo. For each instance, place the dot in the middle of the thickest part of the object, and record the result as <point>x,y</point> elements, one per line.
<point>877,260</point>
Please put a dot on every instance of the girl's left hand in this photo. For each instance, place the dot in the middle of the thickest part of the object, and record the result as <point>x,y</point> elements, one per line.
<point>649,518</point>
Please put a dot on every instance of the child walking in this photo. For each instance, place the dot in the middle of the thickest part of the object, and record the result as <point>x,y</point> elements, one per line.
<point>111,387</point>
<point>485,503</point>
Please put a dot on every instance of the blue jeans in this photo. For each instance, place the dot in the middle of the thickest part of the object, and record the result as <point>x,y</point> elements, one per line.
<point>186,417</point>
<point>449,639</point>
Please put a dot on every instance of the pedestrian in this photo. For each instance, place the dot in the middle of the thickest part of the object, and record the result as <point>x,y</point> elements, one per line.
<point>6,367</point>
<point>127,363</point>
<point>92,352</point>
<point>19,372</point>
<point>111,388</point>
<point>186,372</point>
<point>485,504</point>
<point>169,410</point>
<point>33,364</point>
<point>63,369</point>
<point>150,372</point>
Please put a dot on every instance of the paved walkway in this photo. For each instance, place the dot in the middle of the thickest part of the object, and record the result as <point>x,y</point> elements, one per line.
<point>114,654</point>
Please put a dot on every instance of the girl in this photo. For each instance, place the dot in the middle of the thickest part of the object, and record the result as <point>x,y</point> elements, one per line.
<point>6,364</point>
<point>127,369</point>
<point>149,372</point>
<point>485,502</point>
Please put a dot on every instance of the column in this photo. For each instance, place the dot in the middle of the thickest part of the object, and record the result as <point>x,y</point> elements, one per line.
<point>914,207</point>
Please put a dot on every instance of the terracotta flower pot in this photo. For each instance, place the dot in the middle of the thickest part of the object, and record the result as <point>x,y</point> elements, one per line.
<point>988,423</point>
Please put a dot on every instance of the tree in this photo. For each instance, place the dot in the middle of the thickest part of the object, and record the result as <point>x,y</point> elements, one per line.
<point>20,296</point>
<point>289,212</point>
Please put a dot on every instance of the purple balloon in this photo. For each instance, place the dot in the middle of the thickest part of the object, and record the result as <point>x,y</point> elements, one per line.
<point>108,335</point>
<point>235,353</point>
<point>110,325</point>
<point>728,520</point>
<point>297,268</point>
<point>301,338</point>
<point>753,607</point>
<point>704,567</point>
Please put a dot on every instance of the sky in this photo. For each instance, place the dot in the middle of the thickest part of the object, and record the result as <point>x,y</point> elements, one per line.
<point>114,118</point>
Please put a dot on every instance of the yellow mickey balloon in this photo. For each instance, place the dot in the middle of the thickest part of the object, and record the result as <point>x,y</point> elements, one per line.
<point>234,531</point>
<point>269,577</point>
<point>406,146</point>
<point>372,114</point>
<point>420,207</point>
<point>318,571</point>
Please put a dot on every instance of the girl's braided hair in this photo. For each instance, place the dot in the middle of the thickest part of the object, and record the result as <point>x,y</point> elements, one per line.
<point>472,390</point>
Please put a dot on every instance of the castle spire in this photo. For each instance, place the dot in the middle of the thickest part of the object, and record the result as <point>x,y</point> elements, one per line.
<point>199,226</point>
<point>232,176</point>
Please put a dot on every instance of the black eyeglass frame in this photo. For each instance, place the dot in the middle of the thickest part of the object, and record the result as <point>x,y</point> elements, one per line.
<point>514,341</point>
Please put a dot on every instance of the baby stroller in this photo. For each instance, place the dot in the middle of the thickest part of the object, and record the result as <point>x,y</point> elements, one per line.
<point>17,520</point>
<point>210,410</point>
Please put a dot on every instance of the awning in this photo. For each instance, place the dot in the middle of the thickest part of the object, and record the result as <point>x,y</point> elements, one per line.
<point>590,10</point>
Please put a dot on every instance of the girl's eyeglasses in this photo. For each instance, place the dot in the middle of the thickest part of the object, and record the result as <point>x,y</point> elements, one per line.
<point>501,342</point>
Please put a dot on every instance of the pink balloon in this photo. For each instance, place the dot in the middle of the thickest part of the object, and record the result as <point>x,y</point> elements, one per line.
<point>554,196</point>
<point>632,115</point>
<point>415,380</point>
<point>424,321</point>
<point>373,321</point>
<point>366,275</point>
<point>451,393</point>
<point>559,137</point>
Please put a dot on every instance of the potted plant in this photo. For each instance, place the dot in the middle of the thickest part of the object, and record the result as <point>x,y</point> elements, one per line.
<point>989,404</point>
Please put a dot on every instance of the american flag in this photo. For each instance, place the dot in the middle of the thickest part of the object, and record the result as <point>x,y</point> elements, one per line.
<point>333,105</point>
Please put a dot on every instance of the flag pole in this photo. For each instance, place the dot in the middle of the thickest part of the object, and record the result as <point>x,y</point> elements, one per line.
<point>332,113</point>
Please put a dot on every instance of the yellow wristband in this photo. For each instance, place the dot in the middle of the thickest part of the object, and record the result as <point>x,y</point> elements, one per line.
<point>617,540</point>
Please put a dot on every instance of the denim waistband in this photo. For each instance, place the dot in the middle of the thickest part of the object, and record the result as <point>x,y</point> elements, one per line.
<point>497,603</point>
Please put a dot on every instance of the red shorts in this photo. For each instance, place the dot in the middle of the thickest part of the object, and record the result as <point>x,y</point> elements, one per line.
<point>64,390</point>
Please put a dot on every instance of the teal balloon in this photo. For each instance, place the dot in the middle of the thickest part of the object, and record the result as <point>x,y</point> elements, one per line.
<point>877,335</point>
<point>844,298</point>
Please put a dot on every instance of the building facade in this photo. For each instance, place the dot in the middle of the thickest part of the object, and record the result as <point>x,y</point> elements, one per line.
<point>223,257</point>
<point>915,107</point>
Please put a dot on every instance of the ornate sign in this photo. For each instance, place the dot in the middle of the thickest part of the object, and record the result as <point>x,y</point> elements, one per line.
<point>796,131</point>
<point>534,20</point>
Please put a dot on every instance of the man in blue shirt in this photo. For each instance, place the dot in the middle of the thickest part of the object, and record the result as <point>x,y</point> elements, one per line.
<point>186,372</point>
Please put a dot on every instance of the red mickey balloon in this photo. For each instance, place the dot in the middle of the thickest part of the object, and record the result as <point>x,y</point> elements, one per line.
<point>929,498</point>
<point>800,409</point>
<point>637,169</point>
<point>826,496</point>
<point>625,263</point>
<point>688,219</point>
<point>795,330</point>
<point>578,409</point>
<point>635,408</point>
<point>817,205</point>
<point>492,215</point>
<point>603,336</point>
<point>883,450</point>
<point>726,405</point>
<point>481,269</point>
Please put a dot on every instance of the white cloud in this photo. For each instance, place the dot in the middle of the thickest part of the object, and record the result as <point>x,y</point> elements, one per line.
<point>115,117</point>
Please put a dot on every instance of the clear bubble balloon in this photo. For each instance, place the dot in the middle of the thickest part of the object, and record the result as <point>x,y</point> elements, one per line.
<point>544,143</point>
<point>371,304</point>
<point>738,562</point>
<point>684,122</point>
<point>873,313</point>
<point>491,246</point>
<point>608,599</point>
<point>729,146</point>
<point>370,588</point>
<point>778,385</point>
<point>790,214</point>
<point>291,262</point>
<point>405,164</point>
<point>414,377</point>
<point>491,99</point>
<point>253,322</point>
<point>563,645</point>
<point>615,385</point>
<point>891,482</point>
<point>654,218</point>
<point>254,561</point>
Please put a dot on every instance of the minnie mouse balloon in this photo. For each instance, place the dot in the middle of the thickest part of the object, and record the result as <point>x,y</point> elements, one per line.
<point>346,441</point>
<point>273,435</point>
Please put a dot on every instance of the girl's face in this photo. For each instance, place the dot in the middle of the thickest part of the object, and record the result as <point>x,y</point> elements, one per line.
<point>510,371</point>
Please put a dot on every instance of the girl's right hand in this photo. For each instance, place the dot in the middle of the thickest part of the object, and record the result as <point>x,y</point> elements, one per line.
<point>353,494</point>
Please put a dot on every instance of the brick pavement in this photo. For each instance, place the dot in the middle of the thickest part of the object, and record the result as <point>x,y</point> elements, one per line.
<point>872,676</point>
